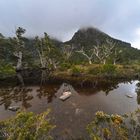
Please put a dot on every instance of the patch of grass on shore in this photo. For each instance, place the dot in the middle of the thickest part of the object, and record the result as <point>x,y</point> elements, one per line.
<point>98,70</point>
<point>7,70</point>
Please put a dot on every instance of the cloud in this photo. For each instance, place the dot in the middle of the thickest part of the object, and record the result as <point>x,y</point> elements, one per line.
<point>61,18</point>
<point>136,41</point>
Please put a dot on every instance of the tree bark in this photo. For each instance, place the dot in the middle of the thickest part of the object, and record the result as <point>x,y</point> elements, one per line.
<point>19,61</point>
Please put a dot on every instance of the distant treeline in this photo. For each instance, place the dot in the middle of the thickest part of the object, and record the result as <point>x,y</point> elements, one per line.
<point>86,46</point>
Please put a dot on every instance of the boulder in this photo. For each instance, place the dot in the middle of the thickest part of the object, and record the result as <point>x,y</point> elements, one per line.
<point>65,95</point>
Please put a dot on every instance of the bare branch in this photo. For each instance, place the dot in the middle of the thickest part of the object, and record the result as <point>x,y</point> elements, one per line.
<point>67,51</point>
<point>89,57</point>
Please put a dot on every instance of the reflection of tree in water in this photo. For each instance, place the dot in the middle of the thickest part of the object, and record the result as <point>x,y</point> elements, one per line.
<point>44,76</point>
<point>10,95</point>
<point>5,97</point>
<point>99,85</point>
<point>138,92</point>
<point>46,91</point>
<point>20,78</point>
<point>17,94</point>
<point>66,87</point>
<point>50,91</point>
<point>107,87</point>
<point>22,95</point>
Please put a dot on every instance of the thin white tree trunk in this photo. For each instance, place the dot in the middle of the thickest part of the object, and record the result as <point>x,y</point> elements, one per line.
<point>42,59</point>
<point>90,62</point>
<point>114,62</point>
<point>104,61</point>
<point>19,61</point>
<point>86,55</point>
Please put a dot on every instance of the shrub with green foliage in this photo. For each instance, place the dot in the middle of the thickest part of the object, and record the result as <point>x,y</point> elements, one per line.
<point>95,70</point>
<point>6,69</point>
<point>108,69</point>
<point>65,66</point>
<point>26,126</point>
<point>115,127</point>
<point>76,70</point>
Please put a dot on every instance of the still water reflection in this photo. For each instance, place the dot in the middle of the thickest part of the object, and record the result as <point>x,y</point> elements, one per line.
<point>72,115</point>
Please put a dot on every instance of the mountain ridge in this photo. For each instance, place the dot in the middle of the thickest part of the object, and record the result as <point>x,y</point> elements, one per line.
<point>92,34</point>
<point>88,37</point>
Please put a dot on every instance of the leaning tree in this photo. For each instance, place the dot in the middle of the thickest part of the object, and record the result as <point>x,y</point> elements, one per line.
<point>18,43</point>
<point>46,52</point>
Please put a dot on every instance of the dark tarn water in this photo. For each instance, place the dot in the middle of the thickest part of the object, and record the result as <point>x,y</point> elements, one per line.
<point>71,116</point>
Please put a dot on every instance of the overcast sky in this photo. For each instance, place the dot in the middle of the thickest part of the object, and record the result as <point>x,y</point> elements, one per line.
<point>61,18</point>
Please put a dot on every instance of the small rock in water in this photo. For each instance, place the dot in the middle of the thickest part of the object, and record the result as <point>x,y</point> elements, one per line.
<point>14,108</point>
<point>78,111</point>
<point>129,96</point>
<point>65,95</point>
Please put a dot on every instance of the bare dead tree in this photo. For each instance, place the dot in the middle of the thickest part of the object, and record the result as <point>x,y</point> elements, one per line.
<point>116,55</point>
<point>43,48</point>
<point>88,56</point>
<point>41,52</point>
<point>104,51</point>
<point>101,52</point>
<point>67,51</point>
<point>19,45</point>
<point>53,62</point>
<point>46,52</point>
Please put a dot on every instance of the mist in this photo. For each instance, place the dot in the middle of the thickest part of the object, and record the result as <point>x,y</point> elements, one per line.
<point>61,18</point>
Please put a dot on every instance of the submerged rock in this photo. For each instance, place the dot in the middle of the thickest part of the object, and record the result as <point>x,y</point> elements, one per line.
<point>78,111</point>
<point>129,96</point>
<point>14,108</point>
